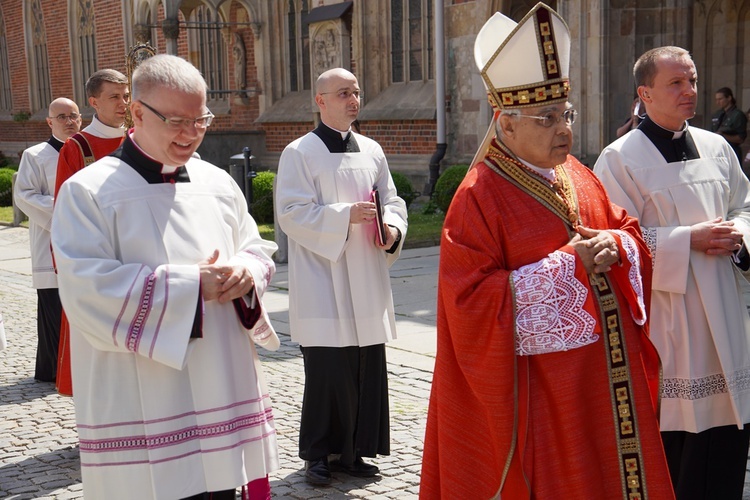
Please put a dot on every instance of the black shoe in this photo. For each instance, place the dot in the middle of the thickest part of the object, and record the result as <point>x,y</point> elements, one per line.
<point>359,468</point>
<point>317,471</point>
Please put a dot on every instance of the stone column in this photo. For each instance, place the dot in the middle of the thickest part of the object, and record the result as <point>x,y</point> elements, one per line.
<point>171,29</point>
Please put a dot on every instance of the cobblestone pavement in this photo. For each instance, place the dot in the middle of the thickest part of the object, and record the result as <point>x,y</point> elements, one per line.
<point>38,440</point>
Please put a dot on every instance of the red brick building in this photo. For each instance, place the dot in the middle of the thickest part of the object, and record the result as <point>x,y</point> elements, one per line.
<point>261,57</point>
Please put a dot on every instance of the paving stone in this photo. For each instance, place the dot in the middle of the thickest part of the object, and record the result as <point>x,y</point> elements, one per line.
<point>39,457</point>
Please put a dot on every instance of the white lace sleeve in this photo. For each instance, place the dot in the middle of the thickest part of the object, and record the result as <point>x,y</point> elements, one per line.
<point>649,235</point>
<point>634,274</point>
<point>549,301</point>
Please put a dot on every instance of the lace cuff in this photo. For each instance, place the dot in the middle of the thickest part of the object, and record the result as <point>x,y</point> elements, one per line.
<point>549,302</point>
<point>634,273</point>
<point>649,235</point>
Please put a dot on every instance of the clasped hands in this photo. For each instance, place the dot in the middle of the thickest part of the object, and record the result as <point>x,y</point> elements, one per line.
<point>596,248</point>
<point>363,212</point>
<point>715,237</point>
<point>223,282</point>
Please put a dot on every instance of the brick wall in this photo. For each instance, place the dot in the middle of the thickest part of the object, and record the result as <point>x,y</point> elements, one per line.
<point>278,135</point>
<point>239,117</point>
<point>395,137</point>
<point>402,137</point>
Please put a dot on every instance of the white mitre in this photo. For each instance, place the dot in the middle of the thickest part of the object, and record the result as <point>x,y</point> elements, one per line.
<point>526,63</point>
<point>522,64</point>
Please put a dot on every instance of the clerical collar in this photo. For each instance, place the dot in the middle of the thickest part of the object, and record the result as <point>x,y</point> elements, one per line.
<point>656,129</point>
<point>150,169</point>
<point>673,145</point>
<point>547,173</point>
<point>98,129</point>
<point>335,140</point>
<point>55,143</point>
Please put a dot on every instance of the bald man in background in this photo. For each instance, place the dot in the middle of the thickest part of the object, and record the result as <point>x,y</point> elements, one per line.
<point>33,193</point>
<point>323,204</point>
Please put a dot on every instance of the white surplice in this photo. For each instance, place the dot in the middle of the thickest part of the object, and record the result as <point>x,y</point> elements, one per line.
<point>699,322</point>
<point>33,193</point>
<point>161,415</point>
<point>339,286</point>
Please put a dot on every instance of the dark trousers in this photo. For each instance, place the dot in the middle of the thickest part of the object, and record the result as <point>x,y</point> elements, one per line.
<point>215,495</point>
<point>345,403</point>
<point>257,489</point>
<point>709,465</point>
<point>48,312</point>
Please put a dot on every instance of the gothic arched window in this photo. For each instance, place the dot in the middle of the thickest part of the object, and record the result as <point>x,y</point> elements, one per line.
<point>411,40</point>
<point>6,98</point>
<point>41,94</point>
<point>83,45</point>
<point>208,51</point>
<point>298,42</point>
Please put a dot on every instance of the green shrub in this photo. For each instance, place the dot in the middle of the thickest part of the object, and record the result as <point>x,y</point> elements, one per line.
<point>446,185</point>
<point>430,208</point>
<point>404,188</point>
<point>262,206</point>
<point>6,180</point>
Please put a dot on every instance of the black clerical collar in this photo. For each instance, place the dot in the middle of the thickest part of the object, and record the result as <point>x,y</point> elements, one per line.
<point>55,143</point>
<point>333,141</point>
<point>147,167</point>
<point>674,146</point>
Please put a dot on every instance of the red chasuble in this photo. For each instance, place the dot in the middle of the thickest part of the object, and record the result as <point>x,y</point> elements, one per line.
<point>578,423</point>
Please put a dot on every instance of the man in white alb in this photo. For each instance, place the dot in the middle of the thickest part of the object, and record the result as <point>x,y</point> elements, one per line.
<point>340,302</point>
<point>686,187</point>
<point>33,193</point>
<point>161,271</point>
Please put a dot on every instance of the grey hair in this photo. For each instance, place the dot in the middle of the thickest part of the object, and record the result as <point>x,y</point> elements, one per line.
<point>167,71</point>
<point>515,113</point>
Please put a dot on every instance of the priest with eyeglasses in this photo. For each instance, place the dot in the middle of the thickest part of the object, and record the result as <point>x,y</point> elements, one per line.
<point>162,272</point>
<point>33,192</point>
<point>545,381</point>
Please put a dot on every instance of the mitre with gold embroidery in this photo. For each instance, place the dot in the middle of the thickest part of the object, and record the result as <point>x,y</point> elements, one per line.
<point>526,63</point>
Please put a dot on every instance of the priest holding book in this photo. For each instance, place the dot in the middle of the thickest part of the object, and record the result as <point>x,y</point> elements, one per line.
<point>340,302</point>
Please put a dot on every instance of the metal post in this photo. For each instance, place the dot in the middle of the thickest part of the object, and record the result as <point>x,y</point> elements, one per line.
<point>249,176</point>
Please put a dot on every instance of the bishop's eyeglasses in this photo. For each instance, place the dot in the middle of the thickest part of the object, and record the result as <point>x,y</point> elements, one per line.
<point>548,119</point>
<point>176,122</point>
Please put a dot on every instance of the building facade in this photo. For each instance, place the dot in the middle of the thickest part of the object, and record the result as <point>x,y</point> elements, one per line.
<point>261,58</point>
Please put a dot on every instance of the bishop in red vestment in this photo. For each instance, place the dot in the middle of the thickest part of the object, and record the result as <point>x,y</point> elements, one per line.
<point>545,383</point>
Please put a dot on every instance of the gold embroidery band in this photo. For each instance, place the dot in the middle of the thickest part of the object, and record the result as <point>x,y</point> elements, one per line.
<point>537,188</point>
<point>534,95</point>
<point>623,406</point>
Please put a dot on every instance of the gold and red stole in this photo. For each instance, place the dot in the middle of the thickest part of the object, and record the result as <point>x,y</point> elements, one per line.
<point>560,198</point>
